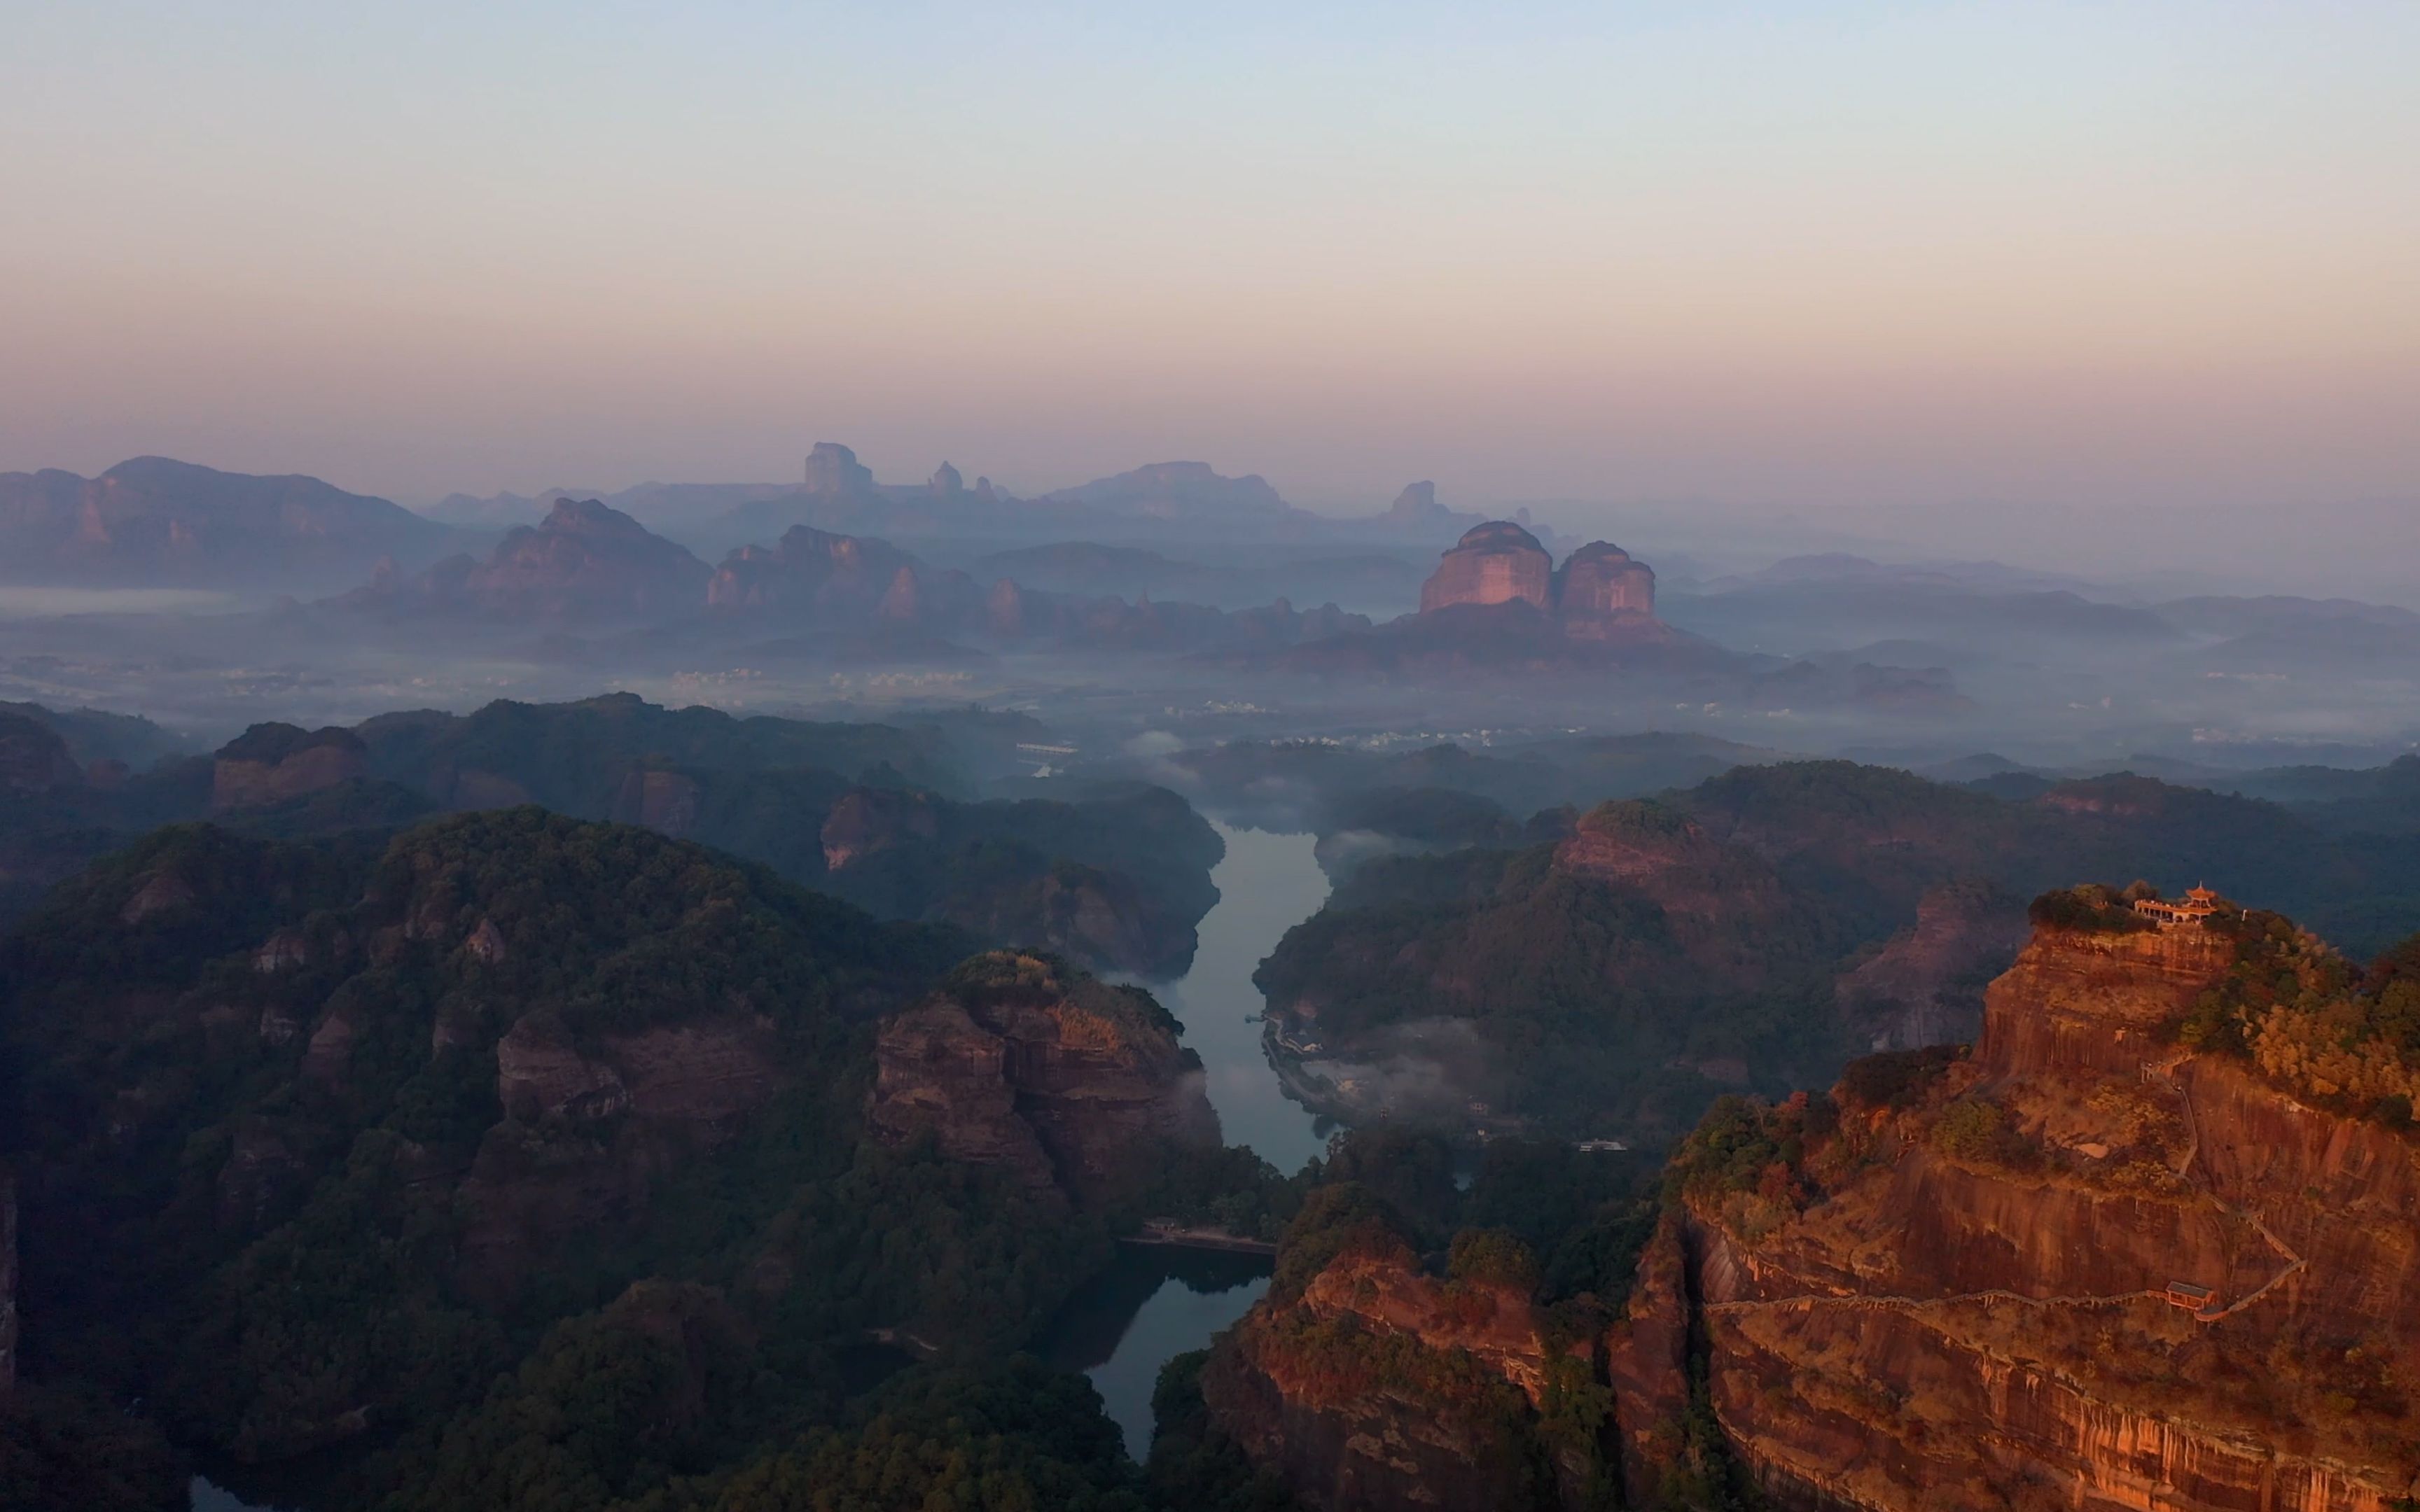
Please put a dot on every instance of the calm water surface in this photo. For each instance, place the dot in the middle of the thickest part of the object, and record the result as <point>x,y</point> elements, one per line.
<point>1155,1303</point>
<point>1150,1305</point>
<point>210,1498</point>
<point>1266,886</point>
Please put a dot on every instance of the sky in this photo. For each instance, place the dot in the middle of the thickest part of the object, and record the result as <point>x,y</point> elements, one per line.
<point>1944,260</point>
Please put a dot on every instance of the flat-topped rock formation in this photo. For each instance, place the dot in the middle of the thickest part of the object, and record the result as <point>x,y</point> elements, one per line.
<point>1600,593</point>
<point>833,471</point>
<point>1599,586</point>
<point>1497,563</point>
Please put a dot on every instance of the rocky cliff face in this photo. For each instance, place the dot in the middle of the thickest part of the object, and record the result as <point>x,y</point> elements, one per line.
<point>1602,589</point>
<point>1922,987</point>
<point>1020,1062</point>
<point>585,560</point>
<point>833,471</point>
<point>2084,1268</point>
<point>1497,563</point>
<point>1417,505</point>
<point>1380,1386</point>
<point>1105,919</point>
<point>1643,845</point>
<point>2095,1002</point>
<point>271,763</point>
<point>1600,594</point>
<point>155,521</point>
<point>814,573</point>
<point>661,800</point>
<point>869,821</point>
<point>591,1123</point>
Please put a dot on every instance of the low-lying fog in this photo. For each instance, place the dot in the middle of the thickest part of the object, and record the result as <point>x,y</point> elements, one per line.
<point>1203,608</point>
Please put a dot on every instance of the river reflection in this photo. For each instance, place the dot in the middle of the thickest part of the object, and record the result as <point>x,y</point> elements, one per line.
<point>1153,1304</point>
<point>1266,886</point>
<point>208,1496</point>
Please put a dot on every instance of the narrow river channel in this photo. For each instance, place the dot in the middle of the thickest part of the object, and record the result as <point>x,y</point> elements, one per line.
<point>1155,1303</point>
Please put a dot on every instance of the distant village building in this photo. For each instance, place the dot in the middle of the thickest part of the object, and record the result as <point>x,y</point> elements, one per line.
<point>2199,904</point>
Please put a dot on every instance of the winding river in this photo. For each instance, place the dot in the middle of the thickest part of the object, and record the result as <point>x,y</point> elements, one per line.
<point>1266,886</point>
<point>1155,1304</point>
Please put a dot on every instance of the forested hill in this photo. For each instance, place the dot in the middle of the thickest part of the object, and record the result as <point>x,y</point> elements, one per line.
<point>1754,932</point>
<point>1113,874</point>
<point>316,1142</point>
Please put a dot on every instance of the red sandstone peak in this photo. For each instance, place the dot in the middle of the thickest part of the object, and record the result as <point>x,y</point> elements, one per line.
<point>1601,594</point>
<point>592,517</point>
<point>587,558</point>
<point>1600,587</point>
<point>270,762</point>
<point>901,599</point>
<point>833,470</point>
<point>816,572</point>
<point>2072,1252</point>
<point>2096,999</point>
<point>1005,608</point>
<point>1072,1084</point>
<point>867,820</point>
<point>1416,504</point>
<point>1497,563</point>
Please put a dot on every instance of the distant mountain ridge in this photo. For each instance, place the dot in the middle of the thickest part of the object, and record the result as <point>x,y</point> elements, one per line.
<point>153,521</point>
<point>589,564</point>
<point>1172,502</point>
<point>659,506</point>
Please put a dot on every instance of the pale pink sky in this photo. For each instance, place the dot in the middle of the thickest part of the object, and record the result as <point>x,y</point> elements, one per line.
<point>2162,255</point>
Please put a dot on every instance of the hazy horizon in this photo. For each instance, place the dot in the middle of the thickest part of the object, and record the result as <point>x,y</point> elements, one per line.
<point>2156,256</point>
<point>2358,548</point>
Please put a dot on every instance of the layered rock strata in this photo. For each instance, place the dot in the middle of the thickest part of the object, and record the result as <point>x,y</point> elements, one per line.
<point>2082,1266</point>
<point>272,763</point>
<point>1600,592</point>
<point>1497,563</point>
<point>1022,1062</point>
<point>2090,1269</point>
<point>1381,1386</point>
<point>1602,587</point>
